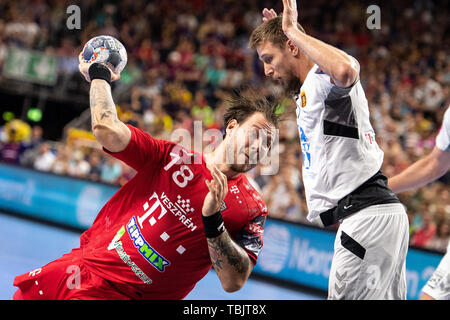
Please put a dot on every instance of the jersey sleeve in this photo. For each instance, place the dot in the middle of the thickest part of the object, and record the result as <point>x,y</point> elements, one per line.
<point>141,149</point>
<point>443,137</point>
<point>325,83</point>
<point>251,237</point>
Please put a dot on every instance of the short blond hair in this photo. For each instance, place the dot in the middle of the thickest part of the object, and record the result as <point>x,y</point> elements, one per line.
<point>271,31</point>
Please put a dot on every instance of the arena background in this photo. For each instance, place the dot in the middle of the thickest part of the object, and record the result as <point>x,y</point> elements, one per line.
<point>184,58</point>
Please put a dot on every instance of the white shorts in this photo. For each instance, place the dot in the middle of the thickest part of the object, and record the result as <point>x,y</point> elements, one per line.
<point>369,259</point>
<point>438,287</point>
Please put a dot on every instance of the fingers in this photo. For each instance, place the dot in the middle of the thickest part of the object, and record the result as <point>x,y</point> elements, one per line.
<point>84,73</point>
<point>290,4</point>
<point>83,66</point>
<point>211,187</point>
<point>114,76</point>
<point>287,5</point>
<point>294,4</point>
<point>223,180</point>
<point>219,179</point>
<point>268,14</point>
<point>218,187</point>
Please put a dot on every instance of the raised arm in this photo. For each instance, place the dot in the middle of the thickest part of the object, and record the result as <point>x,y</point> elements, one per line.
<point>110,132</point>
<point>231,262</point>
<point>342,68</point>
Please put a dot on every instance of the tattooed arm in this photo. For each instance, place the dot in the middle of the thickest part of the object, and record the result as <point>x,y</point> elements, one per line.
<point>112,134</point>
<point>230,260</point>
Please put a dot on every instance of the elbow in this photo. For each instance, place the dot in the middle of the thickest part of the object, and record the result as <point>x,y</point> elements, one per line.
<point>233,286</point>
<point>112,138</point>
<point>345,75</point>
<point>102,132</point>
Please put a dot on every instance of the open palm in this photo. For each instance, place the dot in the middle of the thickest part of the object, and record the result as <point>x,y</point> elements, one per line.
<point>290,14</point>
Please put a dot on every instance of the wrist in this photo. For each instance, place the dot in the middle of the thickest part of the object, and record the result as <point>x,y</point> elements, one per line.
<point>291,31</point>
<point>214,225</point>
<point>99,71</point>
<point>206,213</point>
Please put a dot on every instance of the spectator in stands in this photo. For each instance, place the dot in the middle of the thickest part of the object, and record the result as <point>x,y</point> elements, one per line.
<point>281,196</point>
<point>95,167</point>
<point>45,158</point>
<point>11,152</point>
<point>15,133</point>
<point>31,146</point>
<point>440,241</point>
<point>423,235</point>
<point>78,166</point>
<point>61,163</point>
<point>111,171</point>
<point>36,138</point>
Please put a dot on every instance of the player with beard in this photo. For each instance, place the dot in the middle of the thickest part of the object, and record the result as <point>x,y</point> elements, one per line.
<point>341,158</point>
<point>182,213</point>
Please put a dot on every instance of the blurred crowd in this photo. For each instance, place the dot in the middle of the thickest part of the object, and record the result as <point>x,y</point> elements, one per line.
<point>184,57</point>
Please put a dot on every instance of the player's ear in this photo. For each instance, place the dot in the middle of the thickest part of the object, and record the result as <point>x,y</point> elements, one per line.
<point>232,124</point>
<point>291,48</point>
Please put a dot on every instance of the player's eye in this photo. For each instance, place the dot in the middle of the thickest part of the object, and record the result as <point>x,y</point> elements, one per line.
<point>268,60</point>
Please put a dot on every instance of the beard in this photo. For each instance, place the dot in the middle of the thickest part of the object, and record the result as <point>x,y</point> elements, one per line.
<point>291,85</point>
<point>242,168</point>
<point>243,164</point>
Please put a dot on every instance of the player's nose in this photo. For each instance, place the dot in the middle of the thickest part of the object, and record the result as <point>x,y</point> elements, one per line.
<point>268,70</point>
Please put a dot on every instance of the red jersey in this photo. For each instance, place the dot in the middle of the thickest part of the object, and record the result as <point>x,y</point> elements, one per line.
<point>148,240</point>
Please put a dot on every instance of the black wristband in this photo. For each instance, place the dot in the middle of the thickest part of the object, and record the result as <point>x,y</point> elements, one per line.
<point>99,71</point>
<point>213,225</point>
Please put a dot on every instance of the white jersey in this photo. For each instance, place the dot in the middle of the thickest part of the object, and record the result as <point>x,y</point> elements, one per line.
<point>438,286</point>
<point>337,140</point>
<point>443,137</point>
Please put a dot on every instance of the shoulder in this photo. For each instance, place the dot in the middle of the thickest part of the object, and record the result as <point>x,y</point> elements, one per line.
<point>254,199</point>
<point>317,82</point>
<point>443,137</point>
<point>446,120</point>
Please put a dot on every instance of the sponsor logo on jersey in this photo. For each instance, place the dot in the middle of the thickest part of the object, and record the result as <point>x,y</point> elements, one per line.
<point>180,209</point>
<point>117,244</point>
<point>144,248</point>
<point>305,149</point>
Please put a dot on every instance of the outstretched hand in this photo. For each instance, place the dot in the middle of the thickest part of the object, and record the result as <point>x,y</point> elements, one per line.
<point>290,15</point>
<point>83,66</point>
<point>268,14</point>
<point>218,189</point>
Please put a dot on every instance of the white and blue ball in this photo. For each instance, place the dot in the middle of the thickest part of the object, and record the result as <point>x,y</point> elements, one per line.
<point>107,50</point>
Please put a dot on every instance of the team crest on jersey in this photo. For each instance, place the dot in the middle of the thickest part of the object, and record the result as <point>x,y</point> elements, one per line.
<point>303,99</point>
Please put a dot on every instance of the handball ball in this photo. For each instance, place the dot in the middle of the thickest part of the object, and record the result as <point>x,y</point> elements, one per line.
<point>107,50</point>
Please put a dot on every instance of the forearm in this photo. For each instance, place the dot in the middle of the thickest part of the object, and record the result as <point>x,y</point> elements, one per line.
<point>231,262</point>
<point>333,61</point>
<point>106,126</point>
<point>421,172</point>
